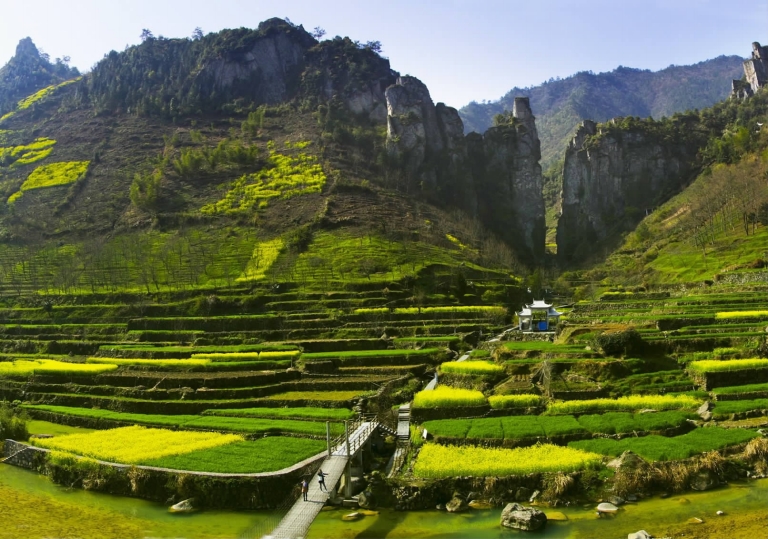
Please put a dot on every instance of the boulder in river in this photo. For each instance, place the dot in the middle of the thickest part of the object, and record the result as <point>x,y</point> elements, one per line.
<point>523,518</point>
<point>366,500</point>
<point>351,516</point>
<point>642,534</point>
<point>479,504</point>
<point>704,480</point>
<point>456,505</point>
<point>607,507</point>
<point>185,506</point>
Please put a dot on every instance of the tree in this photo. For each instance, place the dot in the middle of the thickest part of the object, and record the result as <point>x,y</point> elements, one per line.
<point>374,46</point>
<point>146,35</point>
<point>197,33</point>
<point>318,33</point>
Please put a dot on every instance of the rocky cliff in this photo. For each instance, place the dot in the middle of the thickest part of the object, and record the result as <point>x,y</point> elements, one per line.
<point>755,73</point>
<point>495,177</point>
<point>613,175</point>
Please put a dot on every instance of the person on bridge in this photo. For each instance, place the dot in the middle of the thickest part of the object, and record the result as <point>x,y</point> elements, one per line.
<point>322,475</point>
<point>304,488</point>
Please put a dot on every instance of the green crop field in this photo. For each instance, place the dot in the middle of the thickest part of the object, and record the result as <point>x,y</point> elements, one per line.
<point>661,448</point>
<point>319,414</point>
<point>242,424</point>
<point>263,455</point>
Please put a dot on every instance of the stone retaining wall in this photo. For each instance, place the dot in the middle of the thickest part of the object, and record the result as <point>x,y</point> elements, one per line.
<point>419,415</point>
<point>711,380</point>
<point>231,491</point>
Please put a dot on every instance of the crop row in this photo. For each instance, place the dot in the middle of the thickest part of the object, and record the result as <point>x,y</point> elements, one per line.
<point>244,424</point>
<point>523,427</point>
<point>439,461</point>
<point>675,448</point>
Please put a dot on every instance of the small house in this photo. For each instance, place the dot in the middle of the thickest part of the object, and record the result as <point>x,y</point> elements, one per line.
<point>538,316</point>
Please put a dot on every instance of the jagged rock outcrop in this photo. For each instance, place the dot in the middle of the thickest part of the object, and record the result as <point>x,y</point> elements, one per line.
<point>495,176</point>
<point>508,178</point>
<point>755,72</point>
<point>611,179</point>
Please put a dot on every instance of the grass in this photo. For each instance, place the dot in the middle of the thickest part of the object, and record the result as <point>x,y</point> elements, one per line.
<point>735,390</point>
<point>132,445</point>
<point>624,422</point>
<point>660,448</point>
<point>471,367</point>
<point>25,369</point>
<point>371,353</point>
<point>243,424</point>
<point>625,404</point>
<point>320,414</point>
<point>723,409</point>
<point>713,365</point>
<point>316,395</point>
<point>514,401</point>
<point>169,363</point>
<point>507,428</point>
<point>448,397</point>
<point>439,461</point>
<point>264,455</point>
<point>489,309</point>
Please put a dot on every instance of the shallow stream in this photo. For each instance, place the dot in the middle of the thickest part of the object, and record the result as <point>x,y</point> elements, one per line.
<point>33,507</point>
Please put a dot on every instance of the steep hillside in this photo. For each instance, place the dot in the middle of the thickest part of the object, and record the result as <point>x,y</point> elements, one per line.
<point>240,156</point>
<point>715,229</point>
<point>616,173</point>
<point>560,105</point>
<point>29,71</point>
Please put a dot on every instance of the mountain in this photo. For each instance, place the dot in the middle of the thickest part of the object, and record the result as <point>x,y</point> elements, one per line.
<point>560,105</point>
<point>255,154</point>
<point>28,71</point>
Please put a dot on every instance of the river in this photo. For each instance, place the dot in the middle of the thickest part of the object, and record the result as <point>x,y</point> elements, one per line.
<point>32,507</point>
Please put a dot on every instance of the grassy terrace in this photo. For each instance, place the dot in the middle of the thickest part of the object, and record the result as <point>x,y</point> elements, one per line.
<point>516,428</point>
<point>246,424</point>
<point>657,448</point>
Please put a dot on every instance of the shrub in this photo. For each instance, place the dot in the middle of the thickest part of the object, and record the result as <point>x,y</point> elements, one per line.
<point>448,397</point>
<point>438,461</point>
<point>13,425</point>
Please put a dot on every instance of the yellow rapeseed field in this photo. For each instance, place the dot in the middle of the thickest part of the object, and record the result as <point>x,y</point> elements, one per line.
<point>471,367</point>
<point>716,365</point>
<point>625,404</point>
<point>438,461</point>
<point>24,369</point>
<point>742,314</point>
<point>445,396</point>
<point>514,401</point>
<point>131,445</point>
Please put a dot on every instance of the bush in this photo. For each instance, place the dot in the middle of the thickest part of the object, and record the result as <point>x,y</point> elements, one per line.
<point>13,425</point>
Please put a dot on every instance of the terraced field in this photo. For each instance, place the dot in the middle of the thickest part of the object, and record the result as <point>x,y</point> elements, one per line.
<point>606,380</point>
<point>258,361</point>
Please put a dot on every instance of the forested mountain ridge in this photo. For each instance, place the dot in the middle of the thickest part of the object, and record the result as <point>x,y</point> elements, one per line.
<point>560,105</point>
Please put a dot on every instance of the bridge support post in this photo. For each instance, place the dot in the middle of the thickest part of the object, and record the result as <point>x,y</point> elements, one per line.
<point>347,468</point>
<point>328,436</point>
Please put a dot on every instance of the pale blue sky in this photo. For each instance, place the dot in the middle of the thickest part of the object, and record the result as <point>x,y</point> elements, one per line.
<point>463,50</point>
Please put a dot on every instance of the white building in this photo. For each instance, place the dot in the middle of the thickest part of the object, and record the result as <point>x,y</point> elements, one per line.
<point>538,316</point>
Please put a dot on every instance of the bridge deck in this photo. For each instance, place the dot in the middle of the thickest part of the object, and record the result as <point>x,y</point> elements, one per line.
<point>299,518</point>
